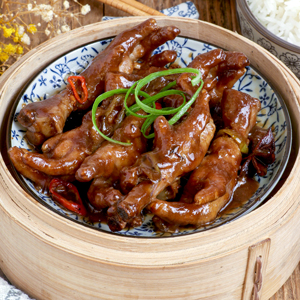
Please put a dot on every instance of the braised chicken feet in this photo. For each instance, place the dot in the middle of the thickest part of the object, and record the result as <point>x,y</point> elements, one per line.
<point>211,185</point>
<point>47,118</point>
<point>175,154</point>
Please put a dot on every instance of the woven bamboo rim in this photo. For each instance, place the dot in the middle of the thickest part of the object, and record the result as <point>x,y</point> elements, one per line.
<point>51,257</point>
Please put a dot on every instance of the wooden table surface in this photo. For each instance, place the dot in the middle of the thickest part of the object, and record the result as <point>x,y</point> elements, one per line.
<point>219,12</point>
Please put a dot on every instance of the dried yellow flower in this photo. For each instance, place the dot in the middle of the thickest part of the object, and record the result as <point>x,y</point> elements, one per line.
<point>4,57</point>
<point>9,49</point>
<point>7,32</point>
<point>20,50</point>
<point>18,33</point>
<point>31,28</point>
<point>16,39</point>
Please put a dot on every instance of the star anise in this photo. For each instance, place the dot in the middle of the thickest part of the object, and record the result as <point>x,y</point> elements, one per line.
<point>262,152</point>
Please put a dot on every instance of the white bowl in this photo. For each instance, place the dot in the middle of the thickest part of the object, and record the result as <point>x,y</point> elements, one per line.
<point>252,29</point>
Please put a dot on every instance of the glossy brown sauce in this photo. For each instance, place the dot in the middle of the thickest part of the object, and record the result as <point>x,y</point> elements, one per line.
<point>244,190</point>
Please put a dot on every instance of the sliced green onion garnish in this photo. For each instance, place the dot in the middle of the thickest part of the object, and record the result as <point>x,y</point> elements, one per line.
<point>145,126</point>
<point>152,99</point>
<point>182,111</point>
<point>98,100</point>
<point>148,104</point>
<point>130,110</point>
<point>147,79</point>
<point>168,86</point>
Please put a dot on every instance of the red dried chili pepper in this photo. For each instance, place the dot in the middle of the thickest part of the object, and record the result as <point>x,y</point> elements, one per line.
<point>83,86</point>
<point>60,190</point>
<point>158,105</point>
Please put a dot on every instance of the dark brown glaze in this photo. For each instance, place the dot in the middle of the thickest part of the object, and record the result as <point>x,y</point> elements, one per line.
<point>102,193</point>
<point>119,80</point>
<point>219,69</point>
<point>204,63</point>
<point>208,190</point>
<point>114,56</point>
<point>47,118</point>
<point>175,154</point>
<point>182,214</point>
<point>105,164</point>
<point>110,157</point>
<point>239,111</point>
<point>156,85</point>
<point>233,61</point>
<point>157,38</point>
<point>173,101</point>
<point>211,185</point>
<point>211,179</point>
<point>243,191</point>
<point>64,153</point>
<point>177,100</point>
<point>122,213</point>
<point>40,179</point>
<point>225,80</point>
<point>228,73</point>
<point>142,51</point>
<point>170,192</point>
<point>160,59</point>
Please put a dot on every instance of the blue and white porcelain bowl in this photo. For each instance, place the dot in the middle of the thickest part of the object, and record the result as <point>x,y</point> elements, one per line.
<point>273,114</point>
<point>252,29</point>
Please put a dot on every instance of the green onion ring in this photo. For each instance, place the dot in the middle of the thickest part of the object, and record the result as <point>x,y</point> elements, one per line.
<point>168,86</point>
<point>145,126</point>
<point>145,104</point>
<point>98,100</point>
<point>175,118</point>
<point>155,75</point>
<point>129,110</point>
<point>151,99</point>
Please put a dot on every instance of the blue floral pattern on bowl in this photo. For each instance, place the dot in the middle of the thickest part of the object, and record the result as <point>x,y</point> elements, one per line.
<point>53,78</point>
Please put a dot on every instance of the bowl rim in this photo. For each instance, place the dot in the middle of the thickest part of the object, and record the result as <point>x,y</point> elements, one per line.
<point>244,7</point>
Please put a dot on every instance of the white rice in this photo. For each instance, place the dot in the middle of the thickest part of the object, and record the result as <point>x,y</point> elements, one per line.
<point>281,17</point>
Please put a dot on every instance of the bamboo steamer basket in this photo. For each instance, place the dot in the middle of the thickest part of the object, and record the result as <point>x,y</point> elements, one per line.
<point>51,257</point>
